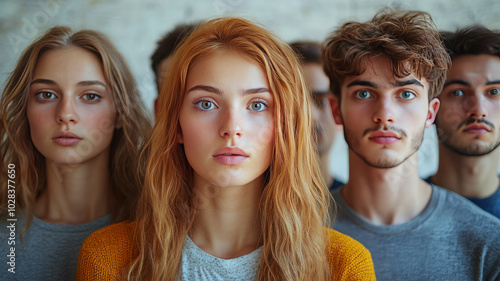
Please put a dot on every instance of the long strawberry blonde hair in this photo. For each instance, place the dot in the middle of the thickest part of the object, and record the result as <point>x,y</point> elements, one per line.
<point>16,146</point>
<point>295,201</point>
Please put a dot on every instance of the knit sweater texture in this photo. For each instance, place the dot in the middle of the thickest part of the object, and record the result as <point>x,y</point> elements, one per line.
<point>108,252</point>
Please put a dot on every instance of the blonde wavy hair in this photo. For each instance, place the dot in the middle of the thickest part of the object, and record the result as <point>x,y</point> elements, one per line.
<point>295,201</point>
<point>17,147</point>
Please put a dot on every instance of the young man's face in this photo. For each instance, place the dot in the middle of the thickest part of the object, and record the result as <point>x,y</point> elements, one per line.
<point>470,105</point>
<point>324,127</point>
<point>384,117</point>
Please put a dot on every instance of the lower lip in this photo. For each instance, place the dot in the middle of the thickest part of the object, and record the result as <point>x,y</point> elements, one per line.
<point>66,141</point>
<point>384,140</point>
<point>230,159</point>
<point>476,131</point>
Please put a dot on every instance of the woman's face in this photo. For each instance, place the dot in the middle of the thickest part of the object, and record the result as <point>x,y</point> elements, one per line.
<point>70,107</point>
<point>227,120</point>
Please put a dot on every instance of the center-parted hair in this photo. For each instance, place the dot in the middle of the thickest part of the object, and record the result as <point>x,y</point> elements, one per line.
<point>16,146</point>
<point>295,200</point>
<point>409,39</point>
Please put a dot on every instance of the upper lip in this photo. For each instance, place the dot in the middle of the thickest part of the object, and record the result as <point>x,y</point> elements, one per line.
<point>384,134</point>
<point>476,126</point>
<point>228,150</point>
<point>66,134</point>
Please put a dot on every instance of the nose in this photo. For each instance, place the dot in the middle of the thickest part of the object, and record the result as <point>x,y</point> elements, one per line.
<point>66,113</point>
<point>475,106</point>
<point>383,112</point>
<point>231,125</point>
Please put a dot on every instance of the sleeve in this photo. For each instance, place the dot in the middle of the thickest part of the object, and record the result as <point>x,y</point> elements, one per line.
<point>105,255</point>
<point>348,259</point>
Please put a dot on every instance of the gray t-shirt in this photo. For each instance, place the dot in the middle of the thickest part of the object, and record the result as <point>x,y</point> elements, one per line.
<point>198,265</point>
<point>48,251</point>
<point>452,239</point>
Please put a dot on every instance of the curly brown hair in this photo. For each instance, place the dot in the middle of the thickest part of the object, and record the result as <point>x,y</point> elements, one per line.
<point>408,38</point>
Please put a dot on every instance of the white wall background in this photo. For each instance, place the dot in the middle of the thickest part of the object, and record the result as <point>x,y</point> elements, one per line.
<point>135,26</point>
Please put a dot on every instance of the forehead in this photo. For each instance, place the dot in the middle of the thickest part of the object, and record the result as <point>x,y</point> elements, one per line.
<point>225,66</point>
<point>475,68</point>
<point>315,77</point>
<point>72,63</point>
<point>379,71</point>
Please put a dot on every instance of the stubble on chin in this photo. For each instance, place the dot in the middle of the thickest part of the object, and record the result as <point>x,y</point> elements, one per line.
<point>384,161</point>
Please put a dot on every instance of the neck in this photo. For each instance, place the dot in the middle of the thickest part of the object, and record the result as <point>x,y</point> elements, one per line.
<point>324,163</point>
<point>469,176</point>
<point>76,193</point>
<point>227,225</point>
<point>386,196</point>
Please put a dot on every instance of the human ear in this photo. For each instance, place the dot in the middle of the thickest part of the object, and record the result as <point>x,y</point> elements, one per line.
<point>179,138</point>
<point>335,106</point>
<point>433,109</point>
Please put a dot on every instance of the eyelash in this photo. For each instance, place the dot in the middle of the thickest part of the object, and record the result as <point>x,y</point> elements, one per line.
<point>356,94</point>
<point>39,96</point>
<point>54,96</point>
<point>407,91</point>
<point>261,101</point>
<point>197,104</point>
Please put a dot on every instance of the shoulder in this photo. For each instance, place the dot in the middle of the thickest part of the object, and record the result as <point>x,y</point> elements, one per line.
<point>466,218</point>
<point>113,236</point>
<point>107,252</point>
<point>464,208</point>
<point>348,259</point>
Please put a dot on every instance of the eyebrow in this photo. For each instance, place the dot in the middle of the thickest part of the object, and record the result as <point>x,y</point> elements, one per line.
<point>456,81</point>
<point>90,83</point>
<point>362,83</point>
<point>43,81</point>
<point>493,82</point>
<point>81,83</point>
<point>219,92</point>
<point>402,83</point>
<point>396,84</point>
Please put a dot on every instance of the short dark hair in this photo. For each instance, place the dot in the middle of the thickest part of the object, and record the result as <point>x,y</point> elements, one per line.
<point>307,51</point>
<point>408,38</point>
<point>472,40</point>
<point>166,46</point>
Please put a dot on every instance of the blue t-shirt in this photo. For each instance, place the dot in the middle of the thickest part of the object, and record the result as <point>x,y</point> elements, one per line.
<point>490,204</point>
<point>336,184</point>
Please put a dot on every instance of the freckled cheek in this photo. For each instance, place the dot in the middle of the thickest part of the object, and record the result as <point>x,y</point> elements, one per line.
<point>262,136</point>
<point>39,122</point>
<point>196,130</point>
<point>101,122</point>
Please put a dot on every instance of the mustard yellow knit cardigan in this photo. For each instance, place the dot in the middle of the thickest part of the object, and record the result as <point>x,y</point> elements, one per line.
<point>106,254</point>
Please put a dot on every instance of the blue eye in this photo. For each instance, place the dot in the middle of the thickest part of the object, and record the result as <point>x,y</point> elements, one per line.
<point>407,95</point>
<point>46,96</point>
<point>494,92</point>
<point>257,106</point>
<point>363,94</point>
<point>457,93</point>
<point>205,105</point>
